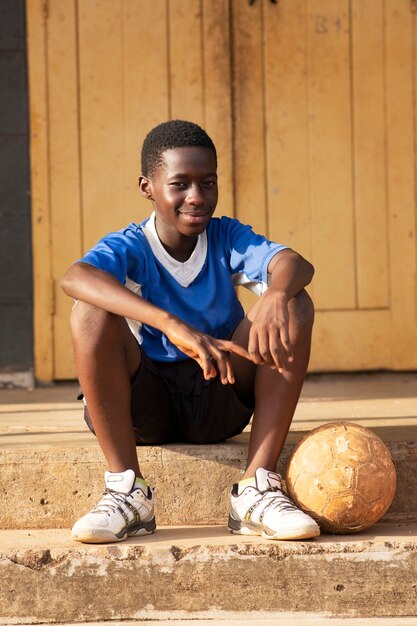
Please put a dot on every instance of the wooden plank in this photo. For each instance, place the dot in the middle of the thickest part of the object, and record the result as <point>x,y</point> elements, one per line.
<point>287,125</point>
<point>329,99</point>
<point>248,107</point>
<point>217,95</point>
<point>64,150</point>
<point>146,89</point>
<point>102,118</point>
<point>39,167</point>
<point>186,62</point>
<point>369,154</point>
<point>346,341</point>
<point>400,74</point>
<point>249,121</point>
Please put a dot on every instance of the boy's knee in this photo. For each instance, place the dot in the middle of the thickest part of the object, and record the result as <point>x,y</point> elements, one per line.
<point>301,310</point>
<point>88,321</point>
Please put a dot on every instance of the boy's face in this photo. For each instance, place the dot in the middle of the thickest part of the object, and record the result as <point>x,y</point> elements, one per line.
<point>183,190</point>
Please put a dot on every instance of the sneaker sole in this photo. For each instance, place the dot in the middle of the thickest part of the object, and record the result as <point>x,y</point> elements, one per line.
<point>241,528</point>
<point>103,536</point>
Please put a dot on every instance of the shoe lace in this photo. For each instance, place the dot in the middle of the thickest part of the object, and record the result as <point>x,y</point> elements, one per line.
<point>109,502</point>
<point>278,500</point>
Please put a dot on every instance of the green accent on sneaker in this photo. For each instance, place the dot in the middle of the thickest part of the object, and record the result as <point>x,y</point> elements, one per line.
<point>140,482</point>
<point>247,482</point>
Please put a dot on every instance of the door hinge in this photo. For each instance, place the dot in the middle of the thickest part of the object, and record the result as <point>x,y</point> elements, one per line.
<point>45,9</point>
<point>413,6</point>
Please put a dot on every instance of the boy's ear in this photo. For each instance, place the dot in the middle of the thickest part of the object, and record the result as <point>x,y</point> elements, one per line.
<point>145,187</point>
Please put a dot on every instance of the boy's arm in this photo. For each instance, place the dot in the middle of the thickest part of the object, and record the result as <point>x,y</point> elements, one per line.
<point>85,282</point>
<point>269,338</point>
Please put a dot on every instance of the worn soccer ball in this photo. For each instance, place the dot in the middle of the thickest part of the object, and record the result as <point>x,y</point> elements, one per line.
<point>343,476</point>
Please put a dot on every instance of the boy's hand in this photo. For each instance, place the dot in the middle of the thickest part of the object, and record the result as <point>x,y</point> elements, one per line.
<point>269,337</point>
<point>205,350</point>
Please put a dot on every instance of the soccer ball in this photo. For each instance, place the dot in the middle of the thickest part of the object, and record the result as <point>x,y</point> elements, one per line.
<point>343,476</point>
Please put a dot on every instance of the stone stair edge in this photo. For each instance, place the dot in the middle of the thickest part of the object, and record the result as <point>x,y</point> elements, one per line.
<point>49,438</point>
<point>229,618</point>
<point>370,574</point>
<point>386,535</point>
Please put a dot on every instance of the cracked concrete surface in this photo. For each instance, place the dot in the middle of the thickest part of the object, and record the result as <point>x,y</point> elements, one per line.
<point>50,578</point>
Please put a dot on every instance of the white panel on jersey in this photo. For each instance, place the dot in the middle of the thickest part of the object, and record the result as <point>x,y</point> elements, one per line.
<point>183,273</point>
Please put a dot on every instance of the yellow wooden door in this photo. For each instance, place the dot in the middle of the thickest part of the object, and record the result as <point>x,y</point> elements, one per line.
<point>323,103</point>
<point>310,104</point>
<point>102,74</point>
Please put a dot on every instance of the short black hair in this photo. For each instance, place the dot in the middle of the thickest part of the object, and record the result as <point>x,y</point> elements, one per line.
<point>168,135</point>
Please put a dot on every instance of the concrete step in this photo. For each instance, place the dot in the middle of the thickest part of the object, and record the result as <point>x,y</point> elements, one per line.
<point>50,480</point>
<point>188,572</point>
<point>52,468</point>
<point>253,618</point>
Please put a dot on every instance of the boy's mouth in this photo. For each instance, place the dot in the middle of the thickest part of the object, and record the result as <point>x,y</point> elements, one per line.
<point>194,217</point>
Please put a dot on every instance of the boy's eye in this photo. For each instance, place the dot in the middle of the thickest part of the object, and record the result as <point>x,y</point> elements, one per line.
<point>207,184</point>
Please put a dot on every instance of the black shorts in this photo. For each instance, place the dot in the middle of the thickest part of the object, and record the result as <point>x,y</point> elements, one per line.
<point>172,402</point>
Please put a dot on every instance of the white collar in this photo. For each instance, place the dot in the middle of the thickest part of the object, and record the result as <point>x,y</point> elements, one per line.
<point>184,273</point>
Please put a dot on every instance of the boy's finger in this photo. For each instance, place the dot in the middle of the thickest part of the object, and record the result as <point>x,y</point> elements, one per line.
<point>230,346</point>
<point>230,376</point>
<point>230,373</point>
<point>207,365</point>
<point>225,368</point>
<point>285,340</point>
<point>277,355</point>
<point>253,348</point>
<point>221,359</point>
<point>264,347</point>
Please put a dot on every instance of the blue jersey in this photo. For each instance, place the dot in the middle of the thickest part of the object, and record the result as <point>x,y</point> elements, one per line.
<point>200,291</point>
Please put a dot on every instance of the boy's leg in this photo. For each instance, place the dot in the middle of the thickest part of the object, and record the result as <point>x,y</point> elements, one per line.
<point>276,394</point>
<point>258,504</point>
<point>107,356</point>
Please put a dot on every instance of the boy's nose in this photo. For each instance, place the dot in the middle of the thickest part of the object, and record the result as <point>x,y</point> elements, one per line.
<point>194,195</point>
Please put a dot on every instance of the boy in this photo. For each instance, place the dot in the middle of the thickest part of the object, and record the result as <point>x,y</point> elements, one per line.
<point>164,352</point>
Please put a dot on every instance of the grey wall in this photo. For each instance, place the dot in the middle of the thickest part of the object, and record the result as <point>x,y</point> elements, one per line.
<point>16,323</point>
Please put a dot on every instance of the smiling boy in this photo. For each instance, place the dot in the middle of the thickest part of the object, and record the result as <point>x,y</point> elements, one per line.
<point>164,352</point>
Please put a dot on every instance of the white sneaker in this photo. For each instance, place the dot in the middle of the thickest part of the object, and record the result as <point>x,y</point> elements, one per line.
<point>121,512</point>
<point>263,509</point>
